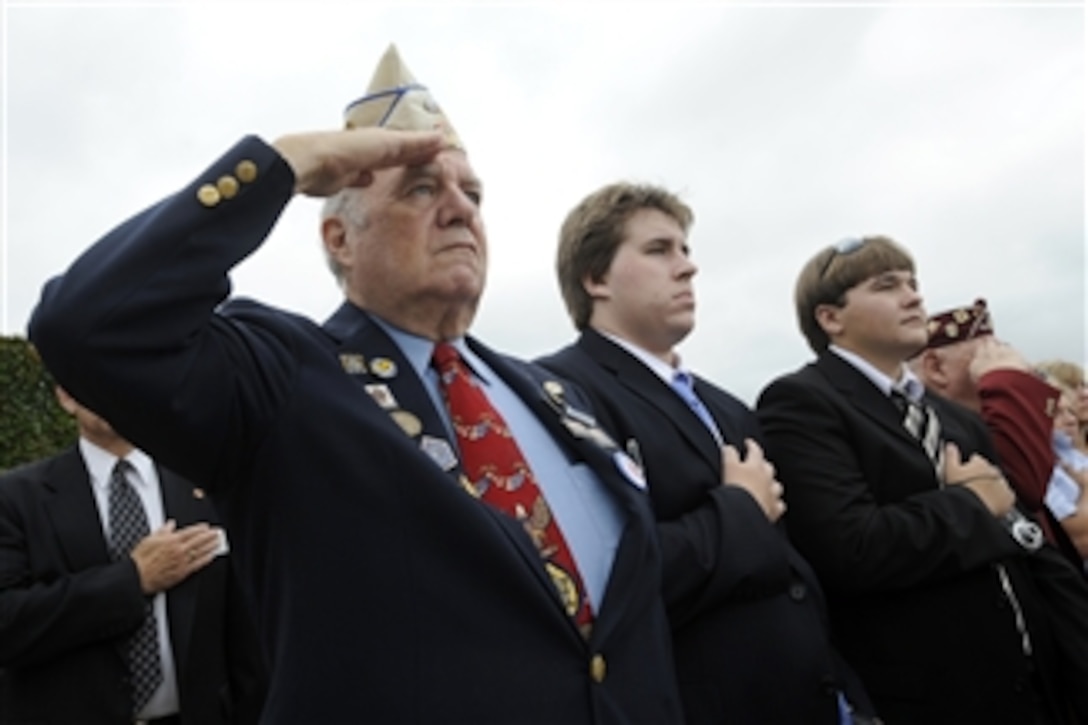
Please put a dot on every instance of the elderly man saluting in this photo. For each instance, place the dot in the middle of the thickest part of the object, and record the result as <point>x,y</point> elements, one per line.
<point>430,531</point>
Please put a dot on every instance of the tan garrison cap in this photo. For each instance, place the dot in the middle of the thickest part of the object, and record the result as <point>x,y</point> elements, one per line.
<point>395,99</point>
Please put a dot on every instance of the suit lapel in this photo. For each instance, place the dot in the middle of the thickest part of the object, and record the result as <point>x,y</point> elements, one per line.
<point>642,382</point>
<point>866,396</point>
<point>365,352</point>
<point>372,359</point>
<point>74,513</point>
<point>600,452</point>
<point>729,425</point>
<point>535,399</point>
<point>868,399</point>
<point>181,504</point>
<point>76,522</point>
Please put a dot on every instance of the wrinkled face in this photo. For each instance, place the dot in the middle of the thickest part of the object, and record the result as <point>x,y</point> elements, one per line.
<point>420,239</point>
<point>883,319</point>
<point>646,296</point>
<point>956,365</point>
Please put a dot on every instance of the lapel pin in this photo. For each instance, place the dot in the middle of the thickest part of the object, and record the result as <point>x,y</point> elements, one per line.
<point>630,469</point>
<point>581,416</point>
<point>578,430</point>
<point>383,367</point>
<point>408,422</point>
<point>382,395</point>
<point>353,363</point>
<point>554,390</point>
<point>439,451</point>
<point>198,493</point>
<point>602,439</point>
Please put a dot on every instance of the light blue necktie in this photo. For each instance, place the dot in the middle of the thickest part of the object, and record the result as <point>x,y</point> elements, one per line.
<point>684,386</point>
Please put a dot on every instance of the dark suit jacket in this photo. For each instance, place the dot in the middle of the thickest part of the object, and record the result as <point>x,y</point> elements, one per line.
<point>384,593</point>
<point>66,610</point>
<point>749,627</point>
<point>911,570</point>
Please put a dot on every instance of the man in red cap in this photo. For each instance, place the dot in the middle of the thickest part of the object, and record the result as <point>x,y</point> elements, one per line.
<point>966,364</point>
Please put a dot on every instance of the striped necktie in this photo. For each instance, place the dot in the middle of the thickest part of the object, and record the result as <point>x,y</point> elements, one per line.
<point>921,421</point>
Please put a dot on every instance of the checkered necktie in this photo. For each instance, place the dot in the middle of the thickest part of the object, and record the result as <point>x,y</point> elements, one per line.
<point>128,525</point>
<point>922,423</point>
<point>499,474</point>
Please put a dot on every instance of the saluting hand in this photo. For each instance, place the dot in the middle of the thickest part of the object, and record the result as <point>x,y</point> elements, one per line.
<point>169,555</point>
<point>755,474</point>
<point>325,162</point>
<point>992,354</point>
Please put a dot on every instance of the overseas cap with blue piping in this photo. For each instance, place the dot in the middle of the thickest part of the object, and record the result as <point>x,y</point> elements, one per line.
<point>396,100</point>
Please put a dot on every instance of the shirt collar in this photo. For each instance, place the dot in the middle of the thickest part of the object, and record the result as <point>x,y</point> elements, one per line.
<point>659,367</point>
<point>908,383</point>
<point>418,350</point>
<point>100,463</point>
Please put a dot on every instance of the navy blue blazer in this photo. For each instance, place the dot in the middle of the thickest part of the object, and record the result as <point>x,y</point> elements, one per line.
<point>750,632</point>
<point>384,593</point>
<point>67,610</point>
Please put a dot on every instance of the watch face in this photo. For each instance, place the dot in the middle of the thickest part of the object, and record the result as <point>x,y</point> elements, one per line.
<point>1027,534</point>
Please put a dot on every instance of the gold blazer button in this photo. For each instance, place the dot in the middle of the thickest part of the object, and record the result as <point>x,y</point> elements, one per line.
<point>597,668</point>
<point>246,171</point>
<point>208,195</point>
<point>227,186</point>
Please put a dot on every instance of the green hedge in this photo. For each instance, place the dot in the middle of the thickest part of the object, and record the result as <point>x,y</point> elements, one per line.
<point>32,423</point>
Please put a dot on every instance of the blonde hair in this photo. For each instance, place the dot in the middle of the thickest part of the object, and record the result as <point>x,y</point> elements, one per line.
<point>1069,374</point>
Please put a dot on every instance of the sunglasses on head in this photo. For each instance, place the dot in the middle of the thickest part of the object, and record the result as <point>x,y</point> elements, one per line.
<point>846,246</point>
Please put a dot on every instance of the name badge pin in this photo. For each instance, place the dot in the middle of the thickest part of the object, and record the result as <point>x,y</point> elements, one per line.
<point>439,451</point>
<point>382,395</point>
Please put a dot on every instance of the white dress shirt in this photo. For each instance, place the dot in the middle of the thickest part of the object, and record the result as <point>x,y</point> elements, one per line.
<point>144,479</point>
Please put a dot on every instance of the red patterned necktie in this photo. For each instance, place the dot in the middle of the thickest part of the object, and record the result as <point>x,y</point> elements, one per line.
<point>499,474</point>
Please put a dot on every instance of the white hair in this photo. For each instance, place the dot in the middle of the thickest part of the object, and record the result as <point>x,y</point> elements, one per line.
<point>346,205</point>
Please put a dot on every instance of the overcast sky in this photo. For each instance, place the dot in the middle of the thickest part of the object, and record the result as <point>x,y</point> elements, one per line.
<point>958,131</point>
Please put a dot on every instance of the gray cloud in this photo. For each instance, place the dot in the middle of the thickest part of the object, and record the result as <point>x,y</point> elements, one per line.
<point>958,131</point>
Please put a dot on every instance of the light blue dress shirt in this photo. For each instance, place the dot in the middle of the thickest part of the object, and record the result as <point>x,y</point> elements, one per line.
<point>589,517</point>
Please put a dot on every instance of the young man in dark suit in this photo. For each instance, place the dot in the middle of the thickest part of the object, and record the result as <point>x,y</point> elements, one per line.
<point>896,502</point>
<point>427,542</point>
<point>747,614</point>
<point>73,603</point>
